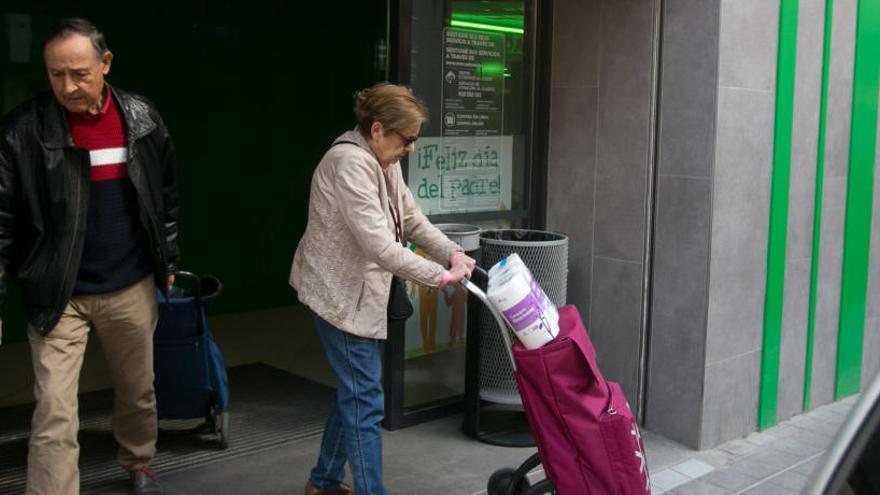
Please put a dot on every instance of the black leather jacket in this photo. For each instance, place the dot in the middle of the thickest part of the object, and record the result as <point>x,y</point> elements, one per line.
<point>44,193</point>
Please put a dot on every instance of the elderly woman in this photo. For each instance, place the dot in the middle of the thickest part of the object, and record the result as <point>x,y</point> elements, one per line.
<point>361,213</point>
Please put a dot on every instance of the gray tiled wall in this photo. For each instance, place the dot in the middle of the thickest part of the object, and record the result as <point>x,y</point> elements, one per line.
<point>622,167</point>
<point>572,156</point>
<point>793,342</point>
<point>802,194</point>
<point>571,182</point>
<point>748,42</point>
<point>615,320</point>
<point>730,398</point>
<point>678,314</point>
<point>712,198</point>
<point>740,217</point>
<point>871,347</point>
<point>599,162</point>
<point>741,203</point>
<point>624,128</point>
<point>833,201</point>
<point>828,290</point>
<point>575,43</point>
<point>682,219</point>
<point>840,84</point>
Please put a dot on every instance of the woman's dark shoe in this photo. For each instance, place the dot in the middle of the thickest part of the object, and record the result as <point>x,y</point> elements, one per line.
<point>340,489</point>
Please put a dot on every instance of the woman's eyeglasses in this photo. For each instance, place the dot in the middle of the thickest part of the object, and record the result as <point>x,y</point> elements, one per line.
<point>407,140</point>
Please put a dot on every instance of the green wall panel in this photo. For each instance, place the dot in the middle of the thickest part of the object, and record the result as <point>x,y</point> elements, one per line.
<point>253,93</point>
<point>779,196</point>
<point>859,199</point>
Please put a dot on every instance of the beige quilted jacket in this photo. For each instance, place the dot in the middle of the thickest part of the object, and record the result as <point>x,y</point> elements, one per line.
<point>343,264</point>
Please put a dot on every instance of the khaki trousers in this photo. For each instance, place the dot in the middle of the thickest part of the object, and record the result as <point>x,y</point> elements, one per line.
<point>124,321</point>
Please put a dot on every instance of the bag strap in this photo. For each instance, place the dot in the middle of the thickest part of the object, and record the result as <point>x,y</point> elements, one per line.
<point>395,215</point>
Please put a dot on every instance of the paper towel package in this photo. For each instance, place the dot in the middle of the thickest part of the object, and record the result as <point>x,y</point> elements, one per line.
<point>514,265</point>
<point>527,309</point>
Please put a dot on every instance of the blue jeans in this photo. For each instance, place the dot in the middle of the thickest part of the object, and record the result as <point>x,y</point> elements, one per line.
<point>353,431</point>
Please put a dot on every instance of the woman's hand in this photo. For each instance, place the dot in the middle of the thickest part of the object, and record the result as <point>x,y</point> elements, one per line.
<point>461,268</point>
<point>459,255</point>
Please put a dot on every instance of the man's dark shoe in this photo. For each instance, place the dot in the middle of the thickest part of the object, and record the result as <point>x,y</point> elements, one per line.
<point>143,482</point>
<point>340,489</point>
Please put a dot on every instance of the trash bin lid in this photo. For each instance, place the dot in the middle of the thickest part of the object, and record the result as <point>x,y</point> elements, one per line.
<point>523,237</point>
<point>465,235</point>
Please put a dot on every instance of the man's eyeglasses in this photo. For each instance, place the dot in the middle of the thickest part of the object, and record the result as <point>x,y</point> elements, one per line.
<point>407,140</point>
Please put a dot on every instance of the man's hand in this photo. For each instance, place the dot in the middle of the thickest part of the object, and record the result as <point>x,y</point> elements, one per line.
<point>170,280</point>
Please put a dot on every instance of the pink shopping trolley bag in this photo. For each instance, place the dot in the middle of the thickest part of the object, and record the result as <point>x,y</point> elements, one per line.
<point>587,436</point>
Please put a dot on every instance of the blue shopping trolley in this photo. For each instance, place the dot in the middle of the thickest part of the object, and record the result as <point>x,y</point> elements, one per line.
<point>191,381</point>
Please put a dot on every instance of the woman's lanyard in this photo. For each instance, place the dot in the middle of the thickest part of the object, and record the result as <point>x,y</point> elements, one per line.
<point>395,215</point>
<point>398,234</point>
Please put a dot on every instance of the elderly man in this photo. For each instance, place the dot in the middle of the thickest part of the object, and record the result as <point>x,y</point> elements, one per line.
<point>88,229</point>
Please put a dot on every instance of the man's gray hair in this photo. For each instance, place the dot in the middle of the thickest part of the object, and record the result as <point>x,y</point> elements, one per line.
<point>76,25</point>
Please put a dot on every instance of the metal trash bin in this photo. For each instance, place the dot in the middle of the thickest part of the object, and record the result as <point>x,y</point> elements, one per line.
<point>465,235</point>
<point>491,381</point>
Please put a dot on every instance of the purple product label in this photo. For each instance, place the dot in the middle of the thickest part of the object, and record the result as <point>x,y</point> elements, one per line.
<point>524,313</point>
<point>537,293</point>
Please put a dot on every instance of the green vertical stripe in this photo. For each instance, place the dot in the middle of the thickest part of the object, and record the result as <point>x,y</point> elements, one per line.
<point>859,196</point>
<point>817,205</point>
<point>785,77</point>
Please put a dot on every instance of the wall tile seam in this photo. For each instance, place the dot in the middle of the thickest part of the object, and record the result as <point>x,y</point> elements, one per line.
<point>661,175</point>
<point>610,258</point>
<point>725,360</point>
<point>752,90</point>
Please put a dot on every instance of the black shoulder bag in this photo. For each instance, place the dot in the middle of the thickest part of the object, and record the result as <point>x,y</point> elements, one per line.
<point>399,305</point>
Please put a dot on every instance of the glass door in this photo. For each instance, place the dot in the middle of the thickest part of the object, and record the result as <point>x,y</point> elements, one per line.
<point>473,63</point>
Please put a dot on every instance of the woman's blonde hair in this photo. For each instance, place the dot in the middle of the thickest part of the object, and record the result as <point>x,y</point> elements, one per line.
<point>392,105</point>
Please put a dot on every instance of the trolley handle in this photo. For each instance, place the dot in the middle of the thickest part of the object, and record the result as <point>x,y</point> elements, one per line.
<point>195,279</point>
<point>502,324</point>
<point>196,282</point>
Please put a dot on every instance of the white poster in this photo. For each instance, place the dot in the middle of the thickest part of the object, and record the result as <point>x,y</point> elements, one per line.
<point>462,174</point>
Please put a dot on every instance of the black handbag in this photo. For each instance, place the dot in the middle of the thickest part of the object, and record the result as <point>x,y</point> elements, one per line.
<point>399,305</point>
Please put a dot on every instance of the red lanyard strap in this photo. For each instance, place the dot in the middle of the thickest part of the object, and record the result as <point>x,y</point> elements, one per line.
<point>398,234</point>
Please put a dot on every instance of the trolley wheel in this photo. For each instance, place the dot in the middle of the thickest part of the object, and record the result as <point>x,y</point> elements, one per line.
<point>211,422</point>
<point>221,423</point>
<point>500,481</point>
<point>212,419</point>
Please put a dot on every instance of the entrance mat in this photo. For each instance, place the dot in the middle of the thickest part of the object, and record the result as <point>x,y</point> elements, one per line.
<point>267,407</point>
